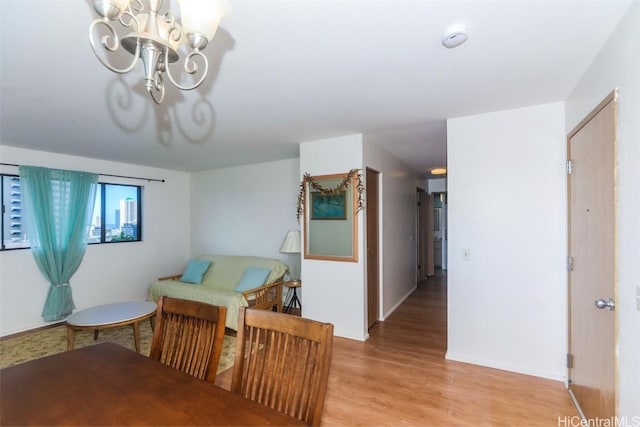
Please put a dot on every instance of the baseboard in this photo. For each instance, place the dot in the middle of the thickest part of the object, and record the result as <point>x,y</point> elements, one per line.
<point>510,368</point>
<point>395,307</point>
<point>31,330</point>
<point>351,337</point>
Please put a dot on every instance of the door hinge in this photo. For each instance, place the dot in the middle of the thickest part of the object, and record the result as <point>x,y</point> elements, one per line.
<point>569,167</point>
<point>569,360</point>
<point>569,263</point>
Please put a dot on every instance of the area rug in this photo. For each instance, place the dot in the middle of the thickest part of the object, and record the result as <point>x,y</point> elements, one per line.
<point>45,342</point>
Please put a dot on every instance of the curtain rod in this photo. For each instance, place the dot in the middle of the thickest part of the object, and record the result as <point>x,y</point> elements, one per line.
<point>105,174</point>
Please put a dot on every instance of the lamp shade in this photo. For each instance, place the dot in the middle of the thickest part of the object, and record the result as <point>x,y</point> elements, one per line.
<point>291,242</point>
<point>203,16</point>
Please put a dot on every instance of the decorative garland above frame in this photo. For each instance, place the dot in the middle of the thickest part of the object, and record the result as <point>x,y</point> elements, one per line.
<point>342,186</point>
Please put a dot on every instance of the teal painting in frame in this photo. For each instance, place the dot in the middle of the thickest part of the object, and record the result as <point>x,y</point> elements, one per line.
<point>328,206</point>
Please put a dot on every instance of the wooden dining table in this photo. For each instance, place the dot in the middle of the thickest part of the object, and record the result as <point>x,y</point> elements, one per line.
<point>108,385</point>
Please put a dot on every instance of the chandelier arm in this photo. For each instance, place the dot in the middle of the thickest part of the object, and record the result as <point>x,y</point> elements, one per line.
<point>140,7</point>
<point>110,44</point>
<point>191,68</point>
<point>174,31</point>
<point>132,19</point>
<point>158,86</point>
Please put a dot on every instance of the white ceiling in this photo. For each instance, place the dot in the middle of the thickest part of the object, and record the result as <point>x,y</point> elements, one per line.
<point>289,71</point>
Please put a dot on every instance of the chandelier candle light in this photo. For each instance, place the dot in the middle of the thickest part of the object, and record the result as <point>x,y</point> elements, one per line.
<point>156,37</point>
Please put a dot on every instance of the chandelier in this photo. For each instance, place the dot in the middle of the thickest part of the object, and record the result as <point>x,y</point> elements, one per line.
<point>156,37</point>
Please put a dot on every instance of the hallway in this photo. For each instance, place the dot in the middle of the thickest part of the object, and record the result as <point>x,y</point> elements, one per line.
<point>400,377</point>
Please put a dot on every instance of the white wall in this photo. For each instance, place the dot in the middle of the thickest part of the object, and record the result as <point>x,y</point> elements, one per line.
<point>618,65</point>
<point>334,291</point>
<point>109,272</point>
<point>398,261</point>
<point>245,210</point>
<point>506,191</point>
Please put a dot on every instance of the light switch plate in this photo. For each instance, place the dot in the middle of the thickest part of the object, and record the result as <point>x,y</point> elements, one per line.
<point>638,298</point>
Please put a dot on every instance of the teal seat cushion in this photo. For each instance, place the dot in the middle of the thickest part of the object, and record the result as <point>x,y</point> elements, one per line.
<point>195,271</point>
<point>252,278</point>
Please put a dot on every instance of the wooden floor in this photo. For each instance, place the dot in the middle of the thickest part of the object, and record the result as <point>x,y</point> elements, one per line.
<point>399,376</point>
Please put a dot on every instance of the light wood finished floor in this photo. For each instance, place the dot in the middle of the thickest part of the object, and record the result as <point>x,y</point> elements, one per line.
<point>400,377</point>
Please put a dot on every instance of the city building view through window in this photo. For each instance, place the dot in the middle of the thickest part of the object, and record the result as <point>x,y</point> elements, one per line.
<point>116,214</point>
<point>119,218</point>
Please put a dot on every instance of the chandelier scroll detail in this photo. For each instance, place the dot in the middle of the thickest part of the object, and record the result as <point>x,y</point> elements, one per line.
<point>156,38</point>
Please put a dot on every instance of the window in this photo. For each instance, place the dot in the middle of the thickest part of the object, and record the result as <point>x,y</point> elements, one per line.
<point>117,214</point>
<point>14,235</point>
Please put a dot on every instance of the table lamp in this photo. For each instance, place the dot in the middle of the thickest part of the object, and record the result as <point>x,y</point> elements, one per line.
<point>291,245</point>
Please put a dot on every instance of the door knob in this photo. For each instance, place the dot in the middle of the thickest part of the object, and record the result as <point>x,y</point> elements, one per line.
<point>608,304</point>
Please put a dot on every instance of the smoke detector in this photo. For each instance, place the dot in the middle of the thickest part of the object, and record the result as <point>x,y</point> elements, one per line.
<point>454,36</point>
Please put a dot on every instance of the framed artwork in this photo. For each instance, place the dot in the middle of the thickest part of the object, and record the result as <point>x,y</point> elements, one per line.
<point>330,225</point>
<point>328,206</point>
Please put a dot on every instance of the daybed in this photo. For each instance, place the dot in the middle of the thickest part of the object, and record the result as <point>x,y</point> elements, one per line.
<point>232,281</point>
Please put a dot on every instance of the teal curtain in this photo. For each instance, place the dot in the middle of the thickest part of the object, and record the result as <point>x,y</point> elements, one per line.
<point>58,209</point>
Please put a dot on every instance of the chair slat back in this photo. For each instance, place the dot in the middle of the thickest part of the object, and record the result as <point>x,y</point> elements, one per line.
<point>188,336</point>
<point>282,361</point>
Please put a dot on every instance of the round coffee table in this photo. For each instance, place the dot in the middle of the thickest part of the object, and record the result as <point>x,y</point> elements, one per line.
<point>110,316</point>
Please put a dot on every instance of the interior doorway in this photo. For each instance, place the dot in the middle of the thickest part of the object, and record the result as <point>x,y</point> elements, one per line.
<point>372,189</point>
<point>440,230</point>
<point>424,247</point>
<point>431,233</point>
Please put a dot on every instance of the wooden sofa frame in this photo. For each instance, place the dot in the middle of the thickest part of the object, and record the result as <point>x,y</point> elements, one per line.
<point>265,297</point>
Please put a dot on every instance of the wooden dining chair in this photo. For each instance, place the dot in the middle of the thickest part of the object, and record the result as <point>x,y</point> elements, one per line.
<point>282,361</point>
<point>188,336</point>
